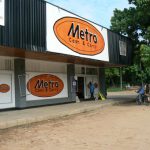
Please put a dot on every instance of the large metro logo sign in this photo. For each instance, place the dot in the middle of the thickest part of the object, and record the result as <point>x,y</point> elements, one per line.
<point>45,85</point>
<point>79,35</point>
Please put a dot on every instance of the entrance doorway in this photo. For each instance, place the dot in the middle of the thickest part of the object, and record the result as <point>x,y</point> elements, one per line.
<point>80,91</point>
<point>85,75</point>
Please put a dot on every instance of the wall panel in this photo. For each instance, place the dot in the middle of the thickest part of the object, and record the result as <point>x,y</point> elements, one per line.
<point>25,25</point>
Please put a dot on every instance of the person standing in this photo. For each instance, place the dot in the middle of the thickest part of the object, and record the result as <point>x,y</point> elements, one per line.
<point>92,88</point>
<point>147,89</point>
<point>147,92</point>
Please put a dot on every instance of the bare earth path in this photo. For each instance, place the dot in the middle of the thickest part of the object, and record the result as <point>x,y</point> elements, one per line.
<point>122,127</point>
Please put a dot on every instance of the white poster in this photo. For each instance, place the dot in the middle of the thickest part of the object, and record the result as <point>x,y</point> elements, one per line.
<point>40,86</point>
<point>72,35</point>
<point>7,91</point>
<point>2,12</point>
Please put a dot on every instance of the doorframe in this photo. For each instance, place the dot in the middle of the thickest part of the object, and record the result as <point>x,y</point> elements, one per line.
<point>84,76</point>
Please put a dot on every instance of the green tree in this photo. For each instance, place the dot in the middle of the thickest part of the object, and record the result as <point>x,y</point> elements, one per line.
<point>145,59</point>
<point>134,22</point>
<point>145,55</point>
<point>112,76</point>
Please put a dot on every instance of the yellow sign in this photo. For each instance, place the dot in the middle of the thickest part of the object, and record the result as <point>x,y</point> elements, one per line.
<point>101,96</point>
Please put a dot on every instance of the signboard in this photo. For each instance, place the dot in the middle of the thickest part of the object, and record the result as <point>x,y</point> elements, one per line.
<point>4,88</point>
<point>80,36</point>
<point>46,86</point>
<point>2,12</point>
<point>72,35</point>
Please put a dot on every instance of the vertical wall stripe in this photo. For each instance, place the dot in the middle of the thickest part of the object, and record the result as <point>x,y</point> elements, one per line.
<point>25,25</point>
<point>114,52</point>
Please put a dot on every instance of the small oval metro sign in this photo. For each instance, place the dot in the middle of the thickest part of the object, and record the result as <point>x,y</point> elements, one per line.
<point>4,88</point>
<point>45,85</point>
<point>79,35</point>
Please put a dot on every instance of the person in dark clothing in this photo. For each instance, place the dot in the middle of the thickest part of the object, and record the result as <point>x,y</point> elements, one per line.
<point>147,92</point>
<point>147,89</point>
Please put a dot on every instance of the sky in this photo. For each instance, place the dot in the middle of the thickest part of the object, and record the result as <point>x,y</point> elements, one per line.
<point>99,11</point>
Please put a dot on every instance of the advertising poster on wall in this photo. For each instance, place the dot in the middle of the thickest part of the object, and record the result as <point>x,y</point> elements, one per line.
<point>46,86</point>
<point>7,93</point>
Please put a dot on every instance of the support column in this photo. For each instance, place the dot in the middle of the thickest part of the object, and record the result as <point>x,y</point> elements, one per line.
<point>20,83</point>
<point>71,82</point>
<point>102,81</point>
<point>121,87</point>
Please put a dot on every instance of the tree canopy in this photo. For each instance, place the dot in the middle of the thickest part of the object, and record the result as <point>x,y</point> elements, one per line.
<point>134,23</point>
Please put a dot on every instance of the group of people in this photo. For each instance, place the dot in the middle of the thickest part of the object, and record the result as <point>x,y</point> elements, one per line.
<point>144,93</point>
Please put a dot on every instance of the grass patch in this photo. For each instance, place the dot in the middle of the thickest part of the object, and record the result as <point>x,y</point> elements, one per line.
<point>115,89</point>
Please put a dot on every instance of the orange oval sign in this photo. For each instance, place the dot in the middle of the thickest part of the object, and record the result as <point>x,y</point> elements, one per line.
<point>4,88</point>
<point>79,35</point>
<point>45,85</point>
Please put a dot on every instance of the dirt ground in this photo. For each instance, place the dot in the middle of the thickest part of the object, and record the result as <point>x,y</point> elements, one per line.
<point>120,127</point>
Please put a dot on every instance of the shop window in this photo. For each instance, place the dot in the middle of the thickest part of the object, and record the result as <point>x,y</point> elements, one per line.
<point>91,71</point>
<point>80,70</point>
<point>6,64</point>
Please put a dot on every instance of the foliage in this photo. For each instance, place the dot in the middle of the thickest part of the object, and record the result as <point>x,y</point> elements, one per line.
<point>115,89</point>
<point>145,55</point>
<point>138,2</point>
<point>112,76</point>
<point>134,22</point>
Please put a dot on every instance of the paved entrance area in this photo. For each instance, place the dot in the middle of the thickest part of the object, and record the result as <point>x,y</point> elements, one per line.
<point>21,117</point>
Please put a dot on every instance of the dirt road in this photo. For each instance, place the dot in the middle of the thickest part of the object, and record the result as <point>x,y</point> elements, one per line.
<point>122,127</point>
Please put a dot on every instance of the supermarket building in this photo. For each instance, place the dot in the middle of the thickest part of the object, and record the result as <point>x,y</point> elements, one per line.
<point>49,55</point>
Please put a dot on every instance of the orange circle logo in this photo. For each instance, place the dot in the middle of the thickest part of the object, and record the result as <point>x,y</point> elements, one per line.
<point>45,85</point>
<point>79,35</point>
<point>4,88</point>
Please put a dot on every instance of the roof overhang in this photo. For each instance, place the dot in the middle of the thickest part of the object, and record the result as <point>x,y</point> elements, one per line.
<point>55,57</point>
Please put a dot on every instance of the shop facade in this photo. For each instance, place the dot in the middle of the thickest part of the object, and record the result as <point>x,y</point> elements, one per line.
<point>49,55</point>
